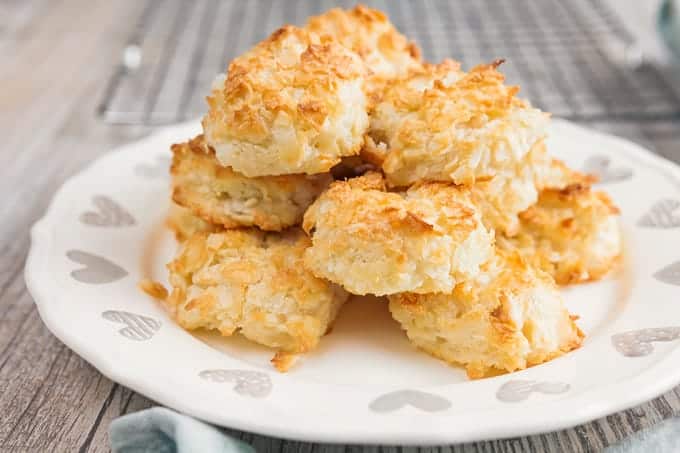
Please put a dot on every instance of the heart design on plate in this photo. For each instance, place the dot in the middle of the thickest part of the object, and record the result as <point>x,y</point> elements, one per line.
<point>137,327</point>
<point>159,169</point>
<point>669,274</point>
<point>601,166</point>
<point>664,214</point>
<point>518,390</point>
<point>424,401</point>
<point>108,214</point>
<point>248,383</point>
<point>96,270</point>
<point>638,343</point>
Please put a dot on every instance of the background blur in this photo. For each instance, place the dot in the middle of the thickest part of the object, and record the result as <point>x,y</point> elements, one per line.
<point>574,58</point>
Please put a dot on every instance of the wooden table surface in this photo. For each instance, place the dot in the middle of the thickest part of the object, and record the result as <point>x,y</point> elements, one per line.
<point>56,58</point>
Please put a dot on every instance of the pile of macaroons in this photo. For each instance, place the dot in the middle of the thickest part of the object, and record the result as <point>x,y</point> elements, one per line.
<point>334,161</point>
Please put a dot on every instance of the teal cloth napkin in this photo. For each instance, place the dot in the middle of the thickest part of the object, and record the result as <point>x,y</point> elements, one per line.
<point>661,438</point>
<point>161,430</point>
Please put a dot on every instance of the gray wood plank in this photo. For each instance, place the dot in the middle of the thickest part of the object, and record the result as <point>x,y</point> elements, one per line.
<point>212,59</point>
<point>123,401</point>
<point>131,102</point>
<point>166,83</point>
<point>168,104</point>
<point>50,398</point>
<point>22,15</point>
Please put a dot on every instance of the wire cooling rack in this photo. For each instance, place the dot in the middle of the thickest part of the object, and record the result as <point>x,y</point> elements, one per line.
<point>573,58</point>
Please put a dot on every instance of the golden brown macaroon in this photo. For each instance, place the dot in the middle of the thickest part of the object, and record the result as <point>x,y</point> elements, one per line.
<point>551,173</point>
<point>185,224</point>
<point>372,241</point>
<point>293,104</point>
<point>222,196</point>
<point>253,283</point>
<point>572,233</point>
<point>387,53</point>
<point>502,198</point>
<point>443,124</point>
<point>508,318</point>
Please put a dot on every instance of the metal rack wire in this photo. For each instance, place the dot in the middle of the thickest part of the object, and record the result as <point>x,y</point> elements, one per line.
<point>573,58</point>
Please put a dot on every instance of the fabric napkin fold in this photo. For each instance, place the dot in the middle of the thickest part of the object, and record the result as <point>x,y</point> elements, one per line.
<point>161,430</point>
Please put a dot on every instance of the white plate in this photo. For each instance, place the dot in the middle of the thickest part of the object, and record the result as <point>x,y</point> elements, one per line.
<point>366,384</point>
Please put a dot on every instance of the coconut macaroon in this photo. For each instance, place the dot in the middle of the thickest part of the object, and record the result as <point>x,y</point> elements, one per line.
<point>442,124</point>
<point>387,53</point>
<point>372,241</point>
<point>502,198</point>
<point>253,283</point>
<point>510,317</point>
<point>185,224</point>
<point>572,233</point>
<point>292,104</point>
<point>551,173</point>
<point>222,196</point>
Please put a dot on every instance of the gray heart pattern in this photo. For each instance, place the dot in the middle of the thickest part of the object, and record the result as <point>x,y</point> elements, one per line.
<point>159,169</point>
<point>601,166</point>
<point>424,401</point>
<point>664,214</point>
<point>518,390</point>
<point>669,274</point>
<point>108,214</point>
<point>137,327</point>
<point>638,343</point>
<point>96,270</point>
<point>248,383</point>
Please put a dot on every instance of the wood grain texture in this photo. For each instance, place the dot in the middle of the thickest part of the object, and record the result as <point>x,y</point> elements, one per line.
<point>57,58</point>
